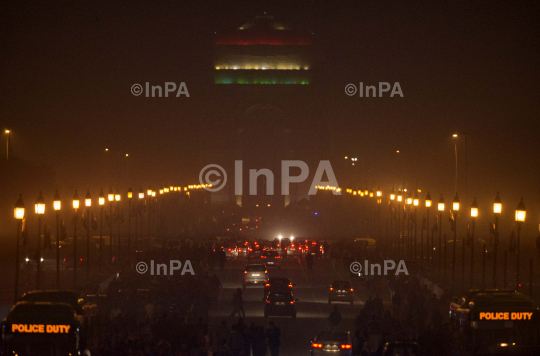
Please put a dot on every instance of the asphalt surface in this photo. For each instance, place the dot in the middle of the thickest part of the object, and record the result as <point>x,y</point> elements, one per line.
<point>311,288</point>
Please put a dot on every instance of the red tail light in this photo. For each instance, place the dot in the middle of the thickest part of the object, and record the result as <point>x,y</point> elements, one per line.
<point>331,288</point>
<point>290,285</point>
<point>64,260</point>
<point>317,346</point>
<point>278,256</point>
<point>267,302</point>
<point>267,285</point>
<point>263,256</point>
<point>313,243</point>
<point>245,272</point>
<point>81,259</point>
<point>352,290</point>
<point>265,271</point>
<point>346,346</point>
<point>292,301</point>
<point>230,250</point>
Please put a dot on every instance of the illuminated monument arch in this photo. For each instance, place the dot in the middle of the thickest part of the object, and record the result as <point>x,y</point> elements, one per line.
<point>263,51</point>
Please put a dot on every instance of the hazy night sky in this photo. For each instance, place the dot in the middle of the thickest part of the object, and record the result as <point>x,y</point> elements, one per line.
<point>466,66</point>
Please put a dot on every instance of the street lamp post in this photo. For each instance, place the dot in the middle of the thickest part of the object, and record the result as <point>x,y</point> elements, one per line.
<point>474,215</point>
<point>149,195</point>
<point>88,204</point>
<point>455,209</point>
<point>8,132</point>
<point>428,241</point>
<point>440,207</point>
<point>497,209</point>
<point>19,216</point>
<point>399,230</point>
<point>520,218</point>
<point>75,207</point>
<point>57,204</point>
<point>141,197</point>
<point>130,196</point>
<point>379,201</point>
<point>40,210</point>
<point>409,202</point>
<point>117,198</point>
<point>392,198</point>
<point>110,198</point>
<point>415,207</point>
<point>101,202</point>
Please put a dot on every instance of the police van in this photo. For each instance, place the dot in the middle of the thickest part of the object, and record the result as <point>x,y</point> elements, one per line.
<point>38,328</point>
<point>505,322</point>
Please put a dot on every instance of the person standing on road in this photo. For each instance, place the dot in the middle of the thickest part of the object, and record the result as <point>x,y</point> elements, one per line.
<point>273,334</point>
<point>238,304</point>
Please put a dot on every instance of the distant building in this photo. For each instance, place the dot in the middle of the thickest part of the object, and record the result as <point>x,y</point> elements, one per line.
<point>264,124</point>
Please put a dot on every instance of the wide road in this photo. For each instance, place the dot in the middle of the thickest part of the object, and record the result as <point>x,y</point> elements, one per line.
<point>312,291</point>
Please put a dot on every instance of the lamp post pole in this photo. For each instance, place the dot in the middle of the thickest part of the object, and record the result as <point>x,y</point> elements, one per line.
<point>455,208</point>
<point>428,206</point>
<point>19,216</point>
<point>101,202</point>
<point>520,217</point>
<point>75,257</point>
<point>130,196</point>
<point>57,204</point>
<point>110,198</point>
<point>88,203</point>
<point>117,198</point>
<point>474,214</point>
<point>40,210</point>
<point>497,208</point>
<point>440,207</point>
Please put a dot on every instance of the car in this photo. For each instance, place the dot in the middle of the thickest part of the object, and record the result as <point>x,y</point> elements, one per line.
<point>275,284</point>
<point>280,303</point>
<point>271,259</point>
<point>409,348</point>
<point>255,274</point>
<point>255,253</point>
<point>341,291</point>
<point>332,343</point>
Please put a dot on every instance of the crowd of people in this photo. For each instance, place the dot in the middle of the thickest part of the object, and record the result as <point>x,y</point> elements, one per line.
<point>417,315</point>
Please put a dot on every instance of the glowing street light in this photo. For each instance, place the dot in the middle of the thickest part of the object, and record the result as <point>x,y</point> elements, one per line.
<point>455,203</point>
<point>110,195</point>
<point>474,209</point>
<point>141,194</point>
<point>497,205</point>
<point>379,192</point>
<point>428,202</point>
<point>409,200</point>
<point>415,200</point>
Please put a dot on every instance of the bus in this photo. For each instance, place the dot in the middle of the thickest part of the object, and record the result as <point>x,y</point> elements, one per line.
<point>41,329</point>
